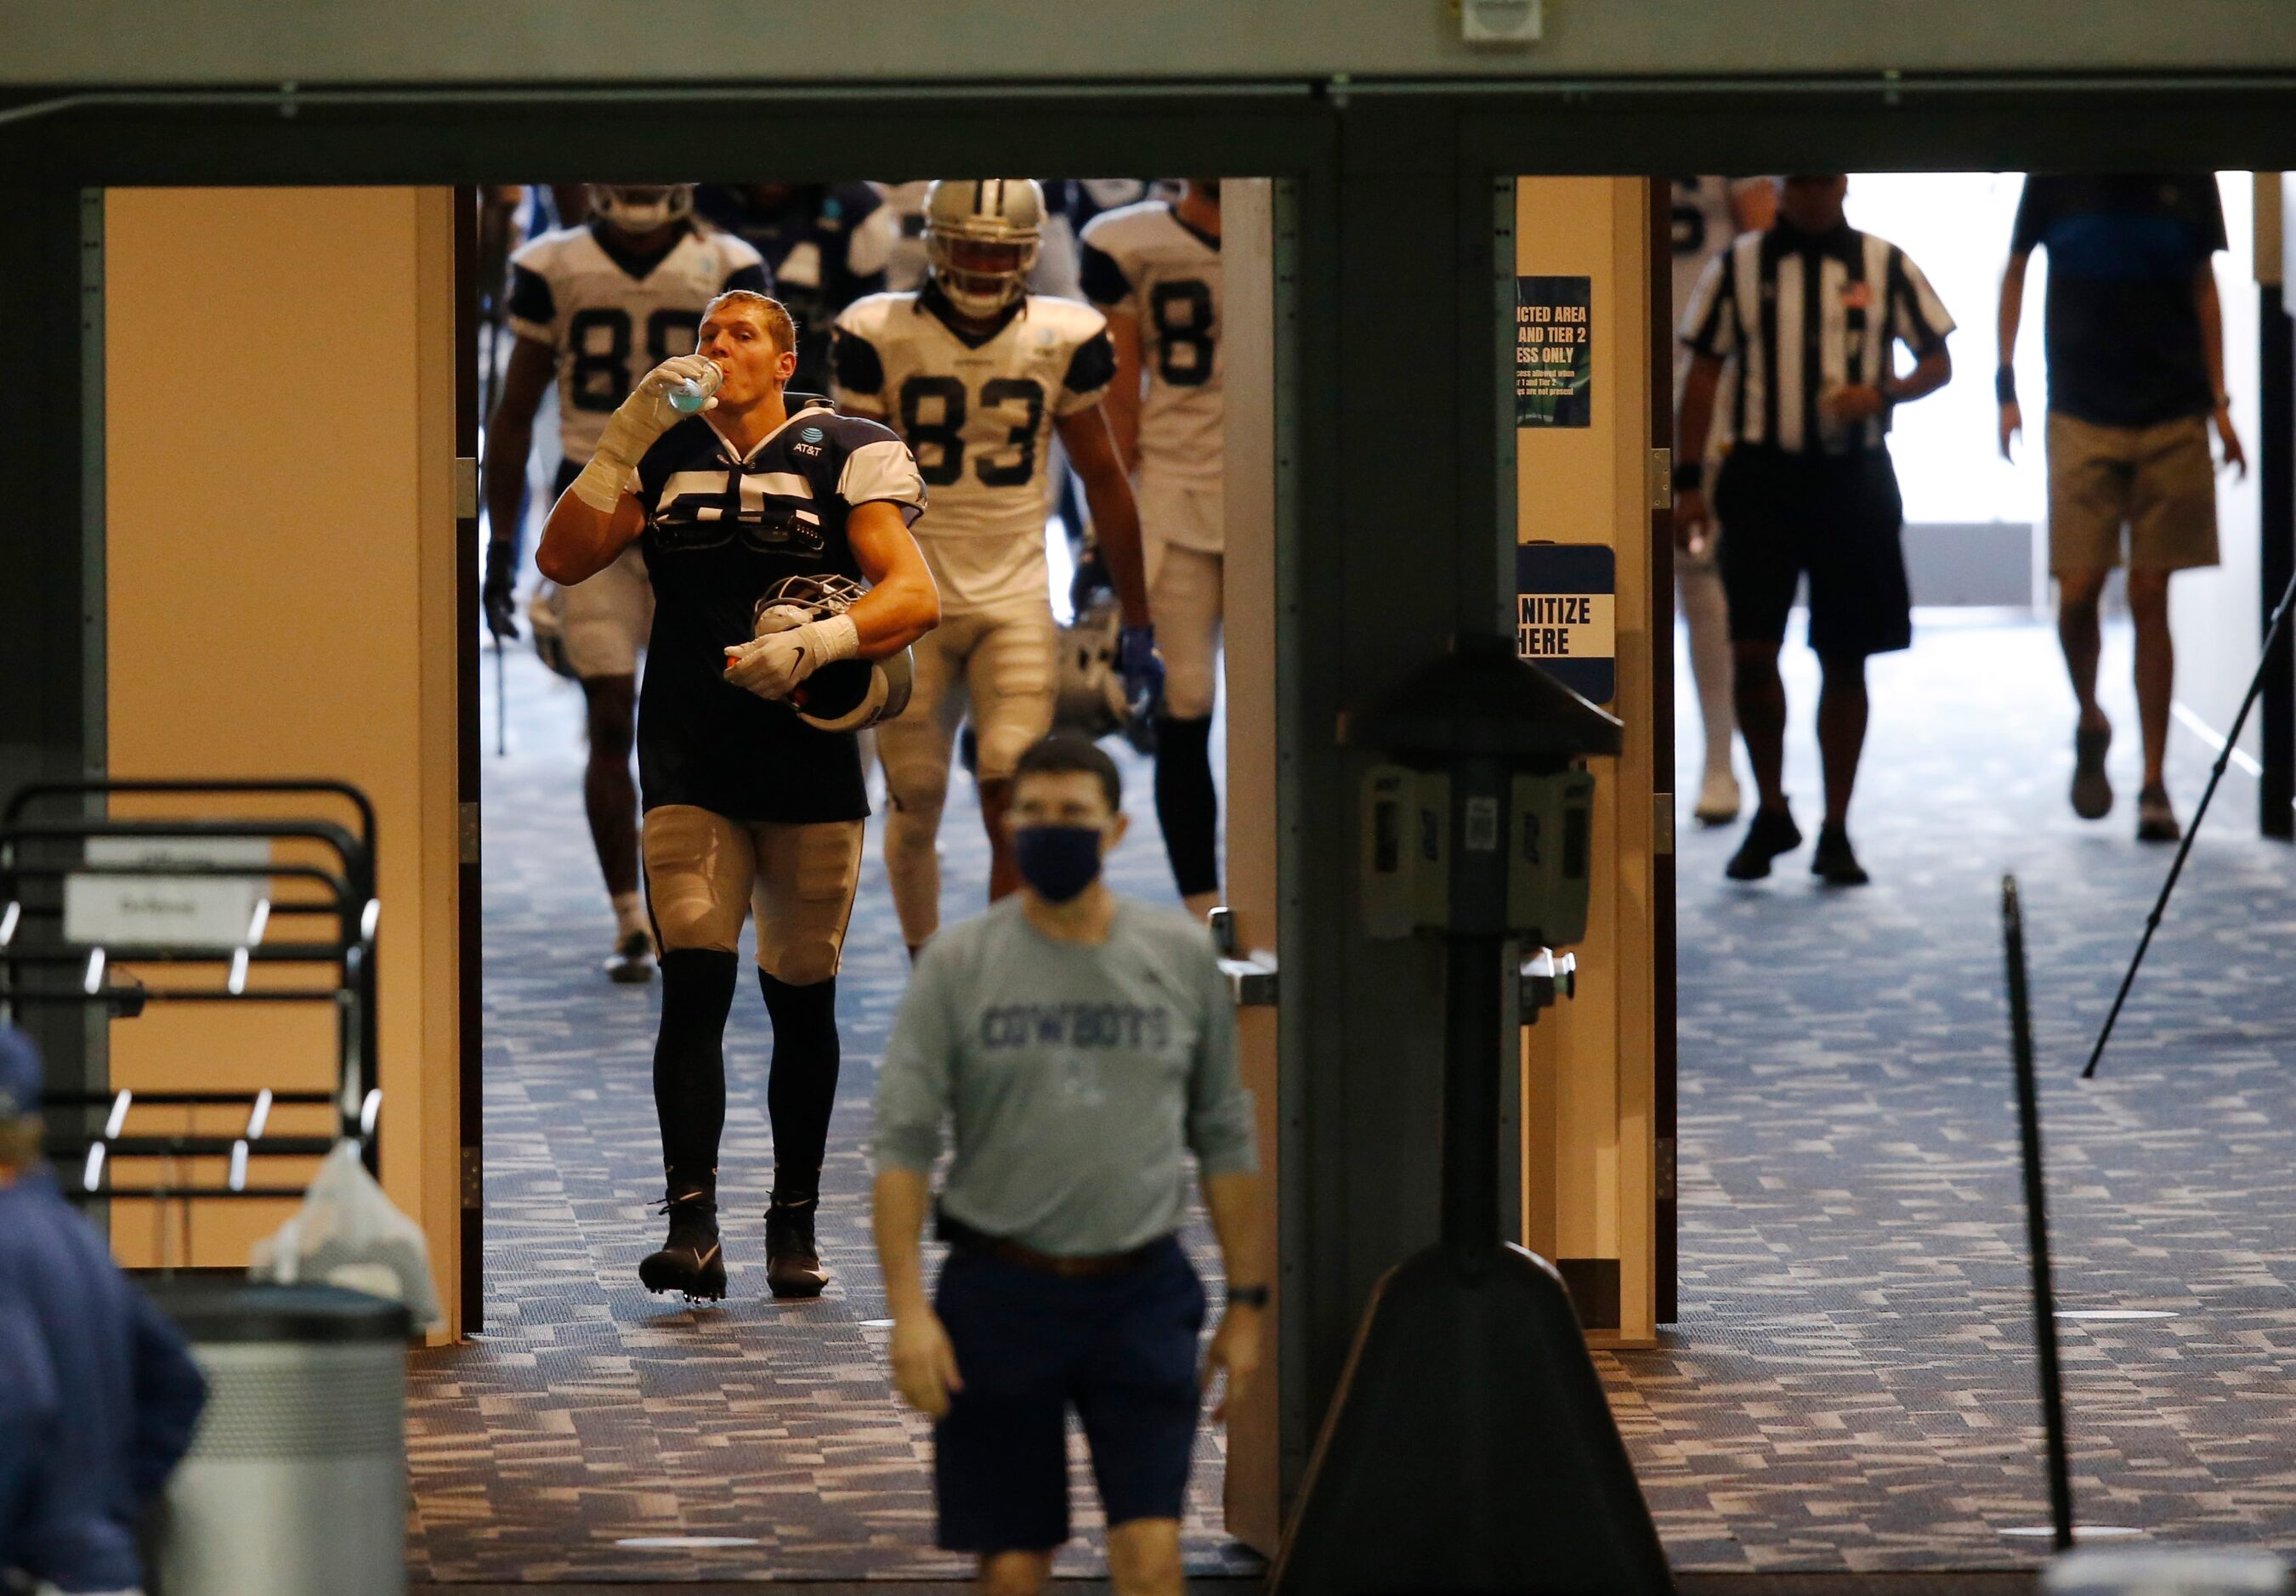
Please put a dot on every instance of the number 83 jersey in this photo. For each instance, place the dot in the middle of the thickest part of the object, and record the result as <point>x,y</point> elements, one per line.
<point>978,414</point>
<point>613,317</point>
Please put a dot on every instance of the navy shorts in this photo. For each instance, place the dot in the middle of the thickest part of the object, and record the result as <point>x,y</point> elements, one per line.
<point>1121,1349</point>
<point>1836,518</point>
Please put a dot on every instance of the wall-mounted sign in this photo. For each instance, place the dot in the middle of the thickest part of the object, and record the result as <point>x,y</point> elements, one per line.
<point>1566,612</point>
<point>1554,352</point>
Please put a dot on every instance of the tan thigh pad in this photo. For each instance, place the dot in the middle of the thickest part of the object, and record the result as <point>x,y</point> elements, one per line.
<point>914,744</point>
<point>1186,604</point>
<point>803,896</point>
<point>1010,679</point>
<point>699,867</point>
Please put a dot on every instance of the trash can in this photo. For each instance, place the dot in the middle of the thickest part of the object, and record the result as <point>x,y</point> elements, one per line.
<point>297,1476</point>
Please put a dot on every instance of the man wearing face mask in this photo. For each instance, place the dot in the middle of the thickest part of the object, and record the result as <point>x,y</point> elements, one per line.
<point>1082,1044</point>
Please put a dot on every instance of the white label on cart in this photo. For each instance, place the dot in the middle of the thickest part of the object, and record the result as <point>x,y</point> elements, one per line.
<point>197,912</point>
<point>179,850</point>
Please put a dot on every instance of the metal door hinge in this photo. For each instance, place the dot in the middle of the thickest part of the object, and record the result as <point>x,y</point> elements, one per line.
<point>466,488</point>
<point>1663,823</point>
<point>1665,1171</point>
<point>467,817</point>
<point>474,1177</point>
<point>1662,478</point>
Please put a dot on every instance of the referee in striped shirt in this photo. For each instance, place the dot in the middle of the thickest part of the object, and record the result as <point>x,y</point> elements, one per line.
<point>1814,310</point>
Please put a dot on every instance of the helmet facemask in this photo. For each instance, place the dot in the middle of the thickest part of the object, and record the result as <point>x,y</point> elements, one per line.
<point>640,208</point>
<point>981,276</point>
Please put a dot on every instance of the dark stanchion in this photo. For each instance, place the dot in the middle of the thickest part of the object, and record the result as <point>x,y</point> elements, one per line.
<point>2185,848</point>
<point>2037,1219</point>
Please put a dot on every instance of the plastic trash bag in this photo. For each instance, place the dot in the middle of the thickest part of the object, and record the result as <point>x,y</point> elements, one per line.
<point>347,1233</point>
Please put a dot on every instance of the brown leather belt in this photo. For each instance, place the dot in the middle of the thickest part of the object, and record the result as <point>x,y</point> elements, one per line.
<point>1068,1266</point>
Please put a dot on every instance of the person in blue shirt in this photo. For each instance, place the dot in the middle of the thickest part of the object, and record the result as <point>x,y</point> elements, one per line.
<point>98,1396</point>
<point>2135,339</point>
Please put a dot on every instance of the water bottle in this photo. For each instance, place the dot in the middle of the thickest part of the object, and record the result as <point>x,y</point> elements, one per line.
<point>688,395</point>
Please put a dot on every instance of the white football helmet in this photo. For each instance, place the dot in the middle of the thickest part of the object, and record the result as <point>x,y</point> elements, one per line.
<point>852,693</point>
<point>1091,699</point>
<point>981,236</point>
<point>641,207</point>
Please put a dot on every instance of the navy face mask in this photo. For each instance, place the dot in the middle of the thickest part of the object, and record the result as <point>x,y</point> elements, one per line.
<point>1058,861</point>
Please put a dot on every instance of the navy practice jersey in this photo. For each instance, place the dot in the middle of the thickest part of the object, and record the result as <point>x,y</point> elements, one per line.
<point>721,529</point>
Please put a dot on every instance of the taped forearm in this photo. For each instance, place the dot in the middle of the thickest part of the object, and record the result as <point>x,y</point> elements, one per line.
<point>613,466</point>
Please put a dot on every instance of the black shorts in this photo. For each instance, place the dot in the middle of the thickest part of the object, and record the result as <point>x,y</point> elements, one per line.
<point>1120,1348</point>
<point>1837,518</point>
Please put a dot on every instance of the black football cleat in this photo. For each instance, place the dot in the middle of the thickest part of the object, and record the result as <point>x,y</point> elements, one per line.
<point>692,1261</point>
<point>792,1259</point>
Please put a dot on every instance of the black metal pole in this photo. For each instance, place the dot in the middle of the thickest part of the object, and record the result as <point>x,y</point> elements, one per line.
<point>1473,1008</point>
<point>2276,475</point>
<point>2037,1220</point>
<point>1473,1000</point>
<point>2185,848</point>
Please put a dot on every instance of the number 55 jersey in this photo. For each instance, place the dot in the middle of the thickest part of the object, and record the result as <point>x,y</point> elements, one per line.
<point>978,414</point>
<point>612,315</point>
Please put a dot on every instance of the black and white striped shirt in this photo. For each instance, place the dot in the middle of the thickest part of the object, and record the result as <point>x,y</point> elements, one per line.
<point>1806,314</point>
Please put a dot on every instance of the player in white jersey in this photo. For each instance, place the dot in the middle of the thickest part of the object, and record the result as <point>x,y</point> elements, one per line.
<point>594,307</point>
<point>1154,268</point>
<point>1709,212</point>
<point>978,376</point>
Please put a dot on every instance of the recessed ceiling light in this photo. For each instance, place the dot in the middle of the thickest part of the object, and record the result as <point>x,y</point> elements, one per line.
<point>2081,1532</point>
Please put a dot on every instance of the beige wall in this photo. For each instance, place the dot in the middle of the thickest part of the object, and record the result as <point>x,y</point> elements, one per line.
<point>1588,1190</point>
<point>1248,359</point>
<point>279,387</point>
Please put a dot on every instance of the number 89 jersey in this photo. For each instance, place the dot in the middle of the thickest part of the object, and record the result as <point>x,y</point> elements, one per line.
<point>1145,262</point>
<point>613,317</point>
<point>977,414</point>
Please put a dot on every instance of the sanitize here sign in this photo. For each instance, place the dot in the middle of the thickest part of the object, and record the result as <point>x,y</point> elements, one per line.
<point>1566,615</point>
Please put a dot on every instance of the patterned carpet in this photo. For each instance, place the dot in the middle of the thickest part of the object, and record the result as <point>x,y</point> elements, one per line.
<point>1849,1388</point>
<point>1850,1385</point>
<point>592,1412</point>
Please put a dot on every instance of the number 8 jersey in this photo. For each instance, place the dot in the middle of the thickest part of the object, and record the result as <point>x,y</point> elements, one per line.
<point>977,414</point>
<point>612,316</point>
<point>1145,261</point>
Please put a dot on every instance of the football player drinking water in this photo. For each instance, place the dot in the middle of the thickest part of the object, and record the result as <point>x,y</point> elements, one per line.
<point>593,307</point>
<point>760,517</point>
<point>977,376</point>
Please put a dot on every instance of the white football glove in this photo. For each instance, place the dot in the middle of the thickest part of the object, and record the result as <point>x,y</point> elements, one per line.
<point>774,664</point>
<point>630,431</point>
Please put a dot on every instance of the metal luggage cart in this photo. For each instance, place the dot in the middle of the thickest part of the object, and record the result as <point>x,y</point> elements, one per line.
<point>56,856</point>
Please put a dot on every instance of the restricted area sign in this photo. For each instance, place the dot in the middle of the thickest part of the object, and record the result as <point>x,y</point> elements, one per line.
<point>1566,608</point>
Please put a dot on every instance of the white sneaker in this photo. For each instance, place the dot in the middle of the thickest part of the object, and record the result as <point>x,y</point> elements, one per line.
<point>1717,798</point>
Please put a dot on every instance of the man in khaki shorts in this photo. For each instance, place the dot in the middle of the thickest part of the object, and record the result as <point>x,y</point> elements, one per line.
<point>2135,339</point>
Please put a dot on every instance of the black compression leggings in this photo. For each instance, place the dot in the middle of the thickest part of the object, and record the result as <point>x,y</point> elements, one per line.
<point>689,1072</point>
<point>802,1089</point>
<point>1186,806</point>
<point>689,1063</point>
